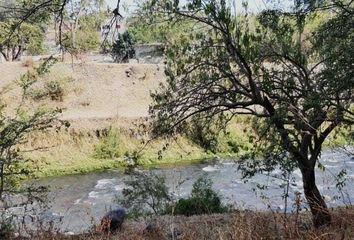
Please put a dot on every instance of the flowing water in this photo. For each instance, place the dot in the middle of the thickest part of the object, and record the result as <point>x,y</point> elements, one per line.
<point>81,200</point>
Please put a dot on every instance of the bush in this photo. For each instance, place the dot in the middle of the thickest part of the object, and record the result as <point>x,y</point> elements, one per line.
<point>109,147</point>
<point>6,227</point>
<point>54,90</point>
<point>203,200</point>
<point>203,135</point>
<point>123,48</point>
<point>146,194</point>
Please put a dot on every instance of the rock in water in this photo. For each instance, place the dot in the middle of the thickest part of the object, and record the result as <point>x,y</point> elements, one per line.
<point>113,220</point>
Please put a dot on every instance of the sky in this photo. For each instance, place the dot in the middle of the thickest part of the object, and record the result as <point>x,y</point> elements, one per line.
<point>253,5</point>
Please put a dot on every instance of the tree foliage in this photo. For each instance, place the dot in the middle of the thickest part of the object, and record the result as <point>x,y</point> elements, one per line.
<point>299,86</point>
<point>158,30</point>
<point>14,129</point>
<point>23,24</point>
<point>83,21</point>
<point>123,48</point>
<point>26,38</point>
<point>146,193</point>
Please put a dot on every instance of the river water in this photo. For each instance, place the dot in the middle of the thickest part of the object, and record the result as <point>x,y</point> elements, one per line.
<point>81,200</point>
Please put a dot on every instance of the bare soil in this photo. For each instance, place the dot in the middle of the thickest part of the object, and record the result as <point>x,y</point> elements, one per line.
<point>93,92</point>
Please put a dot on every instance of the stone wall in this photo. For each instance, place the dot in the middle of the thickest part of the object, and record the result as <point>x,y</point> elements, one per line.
<point>149,53</point>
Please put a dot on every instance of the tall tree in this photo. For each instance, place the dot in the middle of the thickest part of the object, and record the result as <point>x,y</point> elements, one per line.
<point>298,84</point>
<point>80,16</point>
<point>22,26</point>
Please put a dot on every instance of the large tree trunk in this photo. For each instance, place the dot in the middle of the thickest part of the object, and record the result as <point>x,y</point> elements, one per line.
<point>320,213</point>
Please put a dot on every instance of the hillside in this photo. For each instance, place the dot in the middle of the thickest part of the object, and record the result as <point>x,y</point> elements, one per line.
<point>94,91</point>
<point>104,104</point>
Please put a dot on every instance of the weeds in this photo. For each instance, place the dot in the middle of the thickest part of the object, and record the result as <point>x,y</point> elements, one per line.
<point>110,146</point>
<point>240,225</point>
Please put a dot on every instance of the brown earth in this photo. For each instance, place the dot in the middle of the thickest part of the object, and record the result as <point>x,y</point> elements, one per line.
<point>93,92</point>
<point>239,225</point>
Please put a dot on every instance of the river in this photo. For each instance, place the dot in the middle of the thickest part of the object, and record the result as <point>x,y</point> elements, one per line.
<point>81,200</point>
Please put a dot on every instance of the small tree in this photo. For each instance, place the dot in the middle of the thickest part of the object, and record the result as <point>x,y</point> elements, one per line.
<point>297,84</point>
<point>123,48</point>
<point>14,129</point>
<point>26,38</point>
<point>23,24</point>
<point>146,193</point>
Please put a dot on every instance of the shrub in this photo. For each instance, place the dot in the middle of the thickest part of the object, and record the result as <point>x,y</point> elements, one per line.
<point>54,90</point>
<point>109,147</point>
<point>203,200</point>
<point>6,226</point>
<point>146,194</point>
<point>123,48</point>
<point>203,135</point>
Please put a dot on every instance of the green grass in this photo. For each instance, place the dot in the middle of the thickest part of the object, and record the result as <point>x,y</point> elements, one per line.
<point>81,152</point>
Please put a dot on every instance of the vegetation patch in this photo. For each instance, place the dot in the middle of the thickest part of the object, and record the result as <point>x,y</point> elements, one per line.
<point>147,194</point>
<point>110,146</point>
<point>203,200</point>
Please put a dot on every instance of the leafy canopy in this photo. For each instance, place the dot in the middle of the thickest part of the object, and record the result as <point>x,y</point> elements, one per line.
<point>296,84</point>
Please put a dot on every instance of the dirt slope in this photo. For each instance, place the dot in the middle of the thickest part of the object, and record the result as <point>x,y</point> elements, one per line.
<point>94,91</point>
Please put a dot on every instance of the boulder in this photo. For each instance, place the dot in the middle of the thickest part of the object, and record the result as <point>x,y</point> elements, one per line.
<point>113,220</point>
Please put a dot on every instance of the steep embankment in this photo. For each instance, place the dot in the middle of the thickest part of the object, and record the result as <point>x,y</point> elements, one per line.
<point>95,91</point>
<point>104,103</point>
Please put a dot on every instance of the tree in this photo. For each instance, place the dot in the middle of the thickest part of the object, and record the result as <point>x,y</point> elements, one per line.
<point>158,31</point>
<point>84,19</point>
<point>123,48</point>
<point>27,37</point>
<point>146,193</point>
<point>22,26</point>
<point>298,86</point>
<point>14,129</point>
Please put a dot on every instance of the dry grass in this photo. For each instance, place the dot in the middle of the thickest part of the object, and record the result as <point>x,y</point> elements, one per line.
<point>93,97</point>
<point>238,225</point>
<point>108,89</point>
<point>72,151</point>
<point>28,62</point>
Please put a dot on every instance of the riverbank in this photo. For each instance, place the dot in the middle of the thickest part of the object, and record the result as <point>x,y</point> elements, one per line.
<point>79,151</point>
<point>111,145</point>
<point>80,201</point>
<point>107,106</point>
<point>237,225</point>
